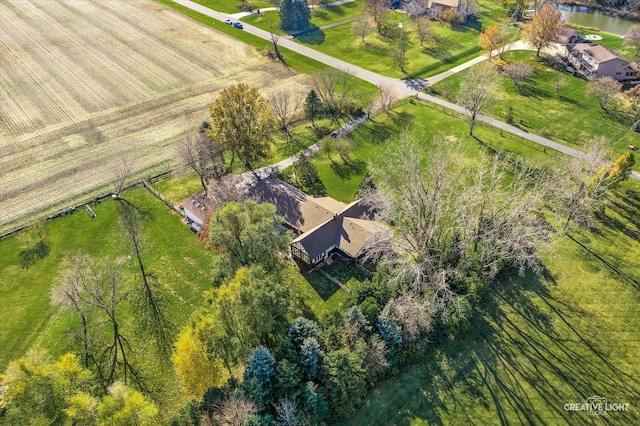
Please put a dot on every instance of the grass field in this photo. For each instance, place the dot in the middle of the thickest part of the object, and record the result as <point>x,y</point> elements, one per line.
<point>537,343</point>
<point>171,253</point>
<point>86,83</point>
<point>571,118</point>
<point>342,179</point>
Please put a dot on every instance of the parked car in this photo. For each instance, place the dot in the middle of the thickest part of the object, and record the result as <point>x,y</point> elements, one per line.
<point>228,21</point>
<point>237,25</point>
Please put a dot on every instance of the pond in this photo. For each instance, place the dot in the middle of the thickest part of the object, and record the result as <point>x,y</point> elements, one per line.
<point>592,18</point>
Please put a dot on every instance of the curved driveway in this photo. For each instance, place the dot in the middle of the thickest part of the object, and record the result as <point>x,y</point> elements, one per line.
<point>398,86</point>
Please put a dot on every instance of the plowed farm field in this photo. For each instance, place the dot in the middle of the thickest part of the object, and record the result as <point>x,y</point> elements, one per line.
<point>84,83</point>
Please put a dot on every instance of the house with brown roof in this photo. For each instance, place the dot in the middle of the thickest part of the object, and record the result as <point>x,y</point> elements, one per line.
<point>323,225</point>
<point>595,61</point>
<point>437,7</point>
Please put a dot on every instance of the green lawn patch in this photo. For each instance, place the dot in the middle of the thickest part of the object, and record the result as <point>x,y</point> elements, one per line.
<point>571,118</point>
<point>232,6</point>
<point>319,16</point>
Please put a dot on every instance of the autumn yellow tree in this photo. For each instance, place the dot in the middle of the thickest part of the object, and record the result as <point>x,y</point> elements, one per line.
<point>544,28</point>
<point>242,123</point>
<point>196,364</point>
<point>39,390</point>
<point>126,406</point>
<point>491,39</point>
<point>619,170</point>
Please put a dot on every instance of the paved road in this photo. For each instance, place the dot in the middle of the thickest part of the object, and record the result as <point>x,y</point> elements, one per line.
<point>398,86</point>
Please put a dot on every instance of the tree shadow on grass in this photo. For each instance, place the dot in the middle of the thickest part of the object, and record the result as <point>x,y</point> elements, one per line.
<point>314,36</point>
<point>440,48</point>
<point>380,132</point>
<point>525,356</point>
<point>321,284</point>
<point>348,168</point>
<point>531,90</point>
<point>376,49</point>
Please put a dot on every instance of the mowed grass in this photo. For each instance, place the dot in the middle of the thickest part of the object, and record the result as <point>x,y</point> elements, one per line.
<point>571,118</point>
<point>537,343</point>
<point>319,16</point>
<point>369,141</point>
<point>171,253</point>
<point>450,46</point>
<point>232,6</point>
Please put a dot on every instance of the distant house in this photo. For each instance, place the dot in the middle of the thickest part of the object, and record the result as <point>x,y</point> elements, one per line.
<point>437,7</point>
<point>322,225</point>
<point>432,8</point>
<point>567,37</point>
<point>595,61</point>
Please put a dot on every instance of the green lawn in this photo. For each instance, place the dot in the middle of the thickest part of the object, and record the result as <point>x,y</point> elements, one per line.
<point>171,254</point>
<point>232,6</point>
<point>450,46</point>
<point>571,118</point>
<point>342,179</point>
<point>537,343</point>
<point>319,16</point>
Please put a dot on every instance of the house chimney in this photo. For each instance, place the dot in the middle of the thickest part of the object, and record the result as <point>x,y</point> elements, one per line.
<point>336,216</point>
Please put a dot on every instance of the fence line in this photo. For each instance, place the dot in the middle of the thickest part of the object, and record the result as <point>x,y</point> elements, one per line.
<point>92,200</point>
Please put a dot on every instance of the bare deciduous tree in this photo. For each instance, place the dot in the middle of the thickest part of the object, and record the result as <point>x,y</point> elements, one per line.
<point>98,286</point>
<point>336,90</point>
<point>560,83</point>
<point>285,106</point>
<point>72,281</point>
<point>581,185</point>
<point>379,11</point>
<point>361,28</point>
<point>476,90</point>
<point>518,72</point>
<point>122,173</point>
<point>424,30</point>
<point>149,301</point>
<point>387,97</point>
<point>633,37</point>
<point>235,411</point>
<point>442,220</point>
<point>604,90</point>
<point>202,156</point>
<point>274,34</point>
<point>287,413</point>
<point>414,314</point>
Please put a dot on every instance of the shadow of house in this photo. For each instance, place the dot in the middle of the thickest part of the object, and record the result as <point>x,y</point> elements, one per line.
<point>322,225</point>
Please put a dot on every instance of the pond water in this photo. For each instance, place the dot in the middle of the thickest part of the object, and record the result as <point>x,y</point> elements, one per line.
<point>584,16</point>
